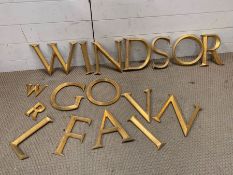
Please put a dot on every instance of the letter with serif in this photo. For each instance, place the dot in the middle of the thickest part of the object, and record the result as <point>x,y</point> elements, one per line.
<point>55,54</point>
<point>184,126</point>
<point>117,128</point>
<point>68,134</point>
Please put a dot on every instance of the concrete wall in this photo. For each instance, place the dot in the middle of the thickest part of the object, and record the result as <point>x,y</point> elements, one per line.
<point>42,21</point>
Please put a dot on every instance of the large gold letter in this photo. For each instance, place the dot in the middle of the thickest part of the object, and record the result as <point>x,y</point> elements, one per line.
<point>69,134</point>
<point>77,98</point>
<point>128,48</point>
<point>86,57</point>
<point>55,54</point>
<point>187,63</point>
<point>97,47</point>
<point>101,103</point>
<point>160,52</point>
<point>14,145</point>
<point>212,50</point>
<point>35,88</point>
<point>38,108</point>
<point>184,126</point>
<point>117,128</point>
<point>146,132</point>
<point>145,114</point>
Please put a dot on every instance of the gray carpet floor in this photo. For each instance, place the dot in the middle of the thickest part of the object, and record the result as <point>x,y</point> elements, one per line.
<point>207,149</point>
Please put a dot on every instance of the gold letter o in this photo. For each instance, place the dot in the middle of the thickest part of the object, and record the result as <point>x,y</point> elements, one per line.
<point>101,103</point>
<point>187,63</point>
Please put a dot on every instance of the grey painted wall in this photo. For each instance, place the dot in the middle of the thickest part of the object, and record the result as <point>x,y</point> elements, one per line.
<point>42,21</point>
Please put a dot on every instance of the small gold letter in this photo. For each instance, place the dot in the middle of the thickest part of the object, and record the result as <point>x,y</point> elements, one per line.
<point>35,88</point>
<point>38,108</point>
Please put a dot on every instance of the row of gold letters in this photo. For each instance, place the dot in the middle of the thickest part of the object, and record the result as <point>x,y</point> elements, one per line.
<point>117,127</point>
<point>98,48</point>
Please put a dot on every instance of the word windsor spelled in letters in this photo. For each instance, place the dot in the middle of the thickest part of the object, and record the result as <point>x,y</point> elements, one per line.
<point>117,63</point>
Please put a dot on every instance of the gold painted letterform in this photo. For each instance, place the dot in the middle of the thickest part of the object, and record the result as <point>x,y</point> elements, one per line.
<point>101,103</point>
<point>15,144</point>
<point>146,114</point>
<point>187,63</point>
<point>38,108</point>
<point>184,126</point>
<point>86,57</point>
<point>212,51</point>
<point>146,132</point>
<point>117,128</point>
<point>77,98</point>
<point>56,54</point>
<point>128,42</point>
<point>37,89</point>
<point>160,52</point>
<point>99,48</point>
<point>69,134</point>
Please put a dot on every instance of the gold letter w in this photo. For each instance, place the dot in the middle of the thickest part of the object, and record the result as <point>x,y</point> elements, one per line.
<point>185,126</point>
<point>55,54</point>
